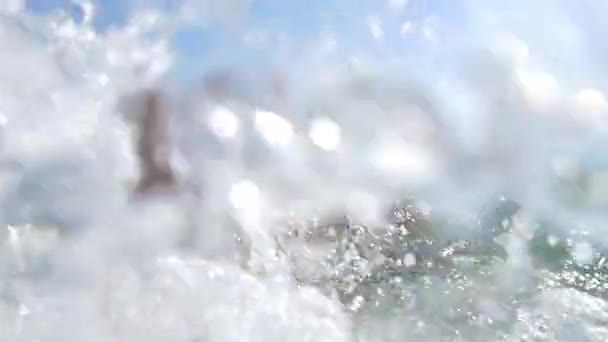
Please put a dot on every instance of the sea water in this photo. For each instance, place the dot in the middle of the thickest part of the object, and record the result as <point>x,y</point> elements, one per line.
<point>455,105</point>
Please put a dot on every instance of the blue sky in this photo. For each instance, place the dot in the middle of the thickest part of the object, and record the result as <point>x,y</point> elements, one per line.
<point>303,21</point>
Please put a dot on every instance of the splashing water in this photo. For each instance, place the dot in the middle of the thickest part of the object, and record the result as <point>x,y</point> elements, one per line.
<point>490,123</point>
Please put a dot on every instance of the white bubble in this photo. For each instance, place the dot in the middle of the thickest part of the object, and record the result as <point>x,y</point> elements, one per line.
<point>375,27</point>
<point>275,129</point>
<point>539,88</point>
<point>244,194</point>
<point>591,99</point>
<point>224,123</point>
<point>583,253</point>
<point>325,133</point>
<point>103,79</point>
<point>552,240</point>
<point>406,28</point>
<point>590,104</point>
<point>24,310</point>
<point>430,29</point>
<point>397,4</point>
<point>409,260</point>
<point>398,158</point>
<point>88,9</point>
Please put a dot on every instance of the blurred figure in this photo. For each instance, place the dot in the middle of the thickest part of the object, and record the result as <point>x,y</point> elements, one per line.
<point>159,184</point>
<point>153,146</point>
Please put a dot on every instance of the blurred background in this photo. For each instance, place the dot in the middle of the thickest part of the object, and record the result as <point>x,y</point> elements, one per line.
<point>451,153</point>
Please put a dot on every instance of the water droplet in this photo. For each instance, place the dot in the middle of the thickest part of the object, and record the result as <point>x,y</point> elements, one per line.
<point>552,240</point>
<point>275,129</point>
<point>223,122</point>
<point>246,199</point>
<point>409,260</point>
<point>325,133</point>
